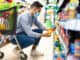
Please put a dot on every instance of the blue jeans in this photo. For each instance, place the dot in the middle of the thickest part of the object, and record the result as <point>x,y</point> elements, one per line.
<point>25,40</point>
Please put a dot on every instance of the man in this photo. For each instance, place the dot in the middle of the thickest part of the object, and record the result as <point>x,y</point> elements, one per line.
<point>25,35</point>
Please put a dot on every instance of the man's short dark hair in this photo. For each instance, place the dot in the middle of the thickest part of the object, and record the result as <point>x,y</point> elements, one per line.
<point>36,4</point>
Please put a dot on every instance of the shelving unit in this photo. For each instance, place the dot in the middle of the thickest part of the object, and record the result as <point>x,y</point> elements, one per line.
<point>63,51</point>
<point>61,41</point>
<point>59,51</point>
<point>60,48</point>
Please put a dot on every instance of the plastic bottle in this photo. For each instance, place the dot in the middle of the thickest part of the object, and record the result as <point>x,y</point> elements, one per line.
<point>72,48</point>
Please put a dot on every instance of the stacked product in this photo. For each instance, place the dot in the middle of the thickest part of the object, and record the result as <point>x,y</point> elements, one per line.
<point>63,15</point>
<point>77,48</point>
<point>49,16</point>
<point>72,8</point>
<point>58,49</point>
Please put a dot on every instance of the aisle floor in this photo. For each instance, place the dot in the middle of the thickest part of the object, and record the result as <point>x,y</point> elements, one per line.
<point>45,47</point>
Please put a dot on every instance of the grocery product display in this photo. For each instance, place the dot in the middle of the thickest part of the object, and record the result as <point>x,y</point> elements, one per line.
<point>77,48</point>
<point>65,15</point>
<point>58,52</point>
<point>49,16</point>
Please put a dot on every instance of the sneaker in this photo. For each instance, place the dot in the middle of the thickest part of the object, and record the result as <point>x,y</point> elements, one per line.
<point>36,53</point>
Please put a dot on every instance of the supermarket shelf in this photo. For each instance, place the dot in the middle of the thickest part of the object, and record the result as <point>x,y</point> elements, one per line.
<point>61,40</point>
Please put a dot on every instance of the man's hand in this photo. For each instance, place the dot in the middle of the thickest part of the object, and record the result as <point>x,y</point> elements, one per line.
<point>46,35</point>
<point>50,30</point>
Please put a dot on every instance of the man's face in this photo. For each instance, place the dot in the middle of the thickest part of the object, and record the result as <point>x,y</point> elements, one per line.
<point>37,10</point>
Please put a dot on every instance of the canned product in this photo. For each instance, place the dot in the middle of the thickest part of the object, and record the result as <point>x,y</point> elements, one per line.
<point>77,47</point>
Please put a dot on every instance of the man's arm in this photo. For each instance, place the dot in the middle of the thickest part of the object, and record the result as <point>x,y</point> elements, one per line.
<point>41,26</point>
<point>38,24</point>
<point>27,29</point>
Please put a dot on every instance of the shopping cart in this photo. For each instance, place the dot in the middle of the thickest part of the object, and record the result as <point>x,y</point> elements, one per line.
<point>8,20</point>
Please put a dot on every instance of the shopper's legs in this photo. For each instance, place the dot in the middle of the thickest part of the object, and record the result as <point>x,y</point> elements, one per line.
<point>36,40</point>
<point>34,52</point>
<point>24,40</point>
